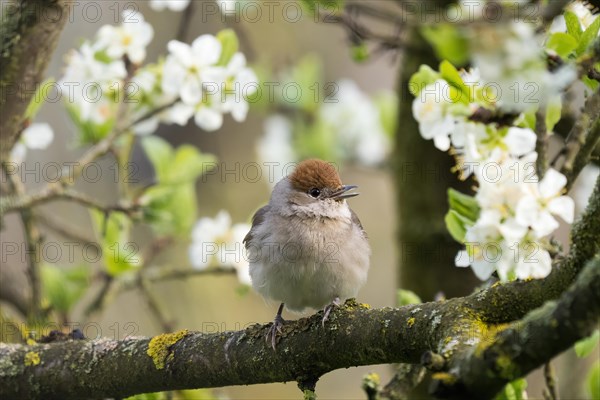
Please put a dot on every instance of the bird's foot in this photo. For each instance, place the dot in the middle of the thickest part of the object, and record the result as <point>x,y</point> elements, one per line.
<point>327,310</point>
<point>278,322</point>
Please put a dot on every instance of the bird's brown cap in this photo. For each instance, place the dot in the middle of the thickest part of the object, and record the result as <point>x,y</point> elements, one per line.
<point>315,173</point>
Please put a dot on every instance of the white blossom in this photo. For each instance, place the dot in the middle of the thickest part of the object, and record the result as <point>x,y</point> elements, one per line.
<point>430,109</point>
<point>240,81</point>
<point>275,146</point>
<point>207,117</point>
<point>215,242</point>
<point>187,68</point>
<point>130,39</point>
<point>545,200</point>
<point>145,87</point>
<point>239,261</point>
<point>357,123</point>
<point>173,5</point>
<point>478,144</point>
<point>36,136</point>
<point>511,61</point>
<point>88,82</point>
<point>520,141</point>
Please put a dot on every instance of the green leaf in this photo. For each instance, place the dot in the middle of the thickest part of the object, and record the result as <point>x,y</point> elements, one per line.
<point>119,254</point>
<point>63,287</point>
<point>591,83</point>
<point>451,75</point>
<point>553,112</point>
<point>530,119</point>
<point>593,381</point>
<point>307,80</point>
<point>405,297</point>
<point>360,52</point>
<point>562,43</point>
<point>588,36</point>
<point>38,98</point>
<point>103,57</point>
<point>457,225</point>
<point>160,153</point>
<point>584,347</point>
<point>171,209</point>
<point>229,45</point>
<point>464,205</point>
<point>90,132</point>
<point>188,164</point>
<point>183,208</point>
<point>514,390</point>
<point>573,25</point>
<point>447,42</point>
<point>387,104</point>
<point>318,140</point>
<point>420,79</point>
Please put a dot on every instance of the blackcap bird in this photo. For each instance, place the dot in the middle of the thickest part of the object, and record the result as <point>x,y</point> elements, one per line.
<point>307,248</point>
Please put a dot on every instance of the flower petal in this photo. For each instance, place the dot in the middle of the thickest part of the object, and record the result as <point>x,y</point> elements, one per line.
<point>545,224</point>
<point>520,141</point>
<point>180,113</point>
<point>542,265</point>
<point>512,230</point>
<point>564,207</point>
<point>462,259</point>
<point>208,119</point>
<point>181,51</point>
<point>38,136</point>
<point>206,49</point>
<point>552,183</point>
<point>482,269</point>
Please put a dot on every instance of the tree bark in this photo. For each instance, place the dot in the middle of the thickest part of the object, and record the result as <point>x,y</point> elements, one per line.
<point>481,357</point>
<point>29,32</point>
<point>427,250</point>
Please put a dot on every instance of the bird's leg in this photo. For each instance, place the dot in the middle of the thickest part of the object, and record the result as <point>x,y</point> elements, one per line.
<point>327,310</point>
<point>276,327</point>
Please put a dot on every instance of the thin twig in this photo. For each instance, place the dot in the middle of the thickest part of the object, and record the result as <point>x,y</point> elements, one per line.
<point>551,389</point>
<point>65,231</point>
<point>32,241</point>
<point>359,33</point>
<point>154,305</point>
<point>577,136</point>
<point>98,302</point>
<point>541,144</point>
<point>25,202</point>
<point>584,154</point>
<point>58,189</point>
<point>163,275</point>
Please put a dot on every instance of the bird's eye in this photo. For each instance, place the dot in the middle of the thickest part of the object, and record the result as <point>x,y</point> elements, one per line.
<point>314,192</point>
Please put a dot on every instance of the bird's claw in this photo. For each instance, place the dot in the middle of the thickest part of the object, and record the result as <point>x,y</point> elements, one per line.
<point>327,310</point>
<point>271,335</point>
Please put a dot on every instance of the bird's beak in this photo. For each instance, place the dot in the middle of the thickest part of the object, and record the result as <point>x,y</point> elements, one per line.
<point>342,193</point>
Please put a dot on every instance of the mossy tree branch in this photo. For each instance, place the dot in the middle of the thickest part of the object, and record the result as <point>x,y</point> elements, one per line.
<point>526,344</point>
<point>460,330</point>
<point>355,335</point>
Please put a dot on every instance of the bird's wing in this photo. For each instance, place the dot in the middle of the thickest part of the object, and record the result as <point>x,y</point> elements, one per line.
<point>355,220</point>
<point>257,219</point>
